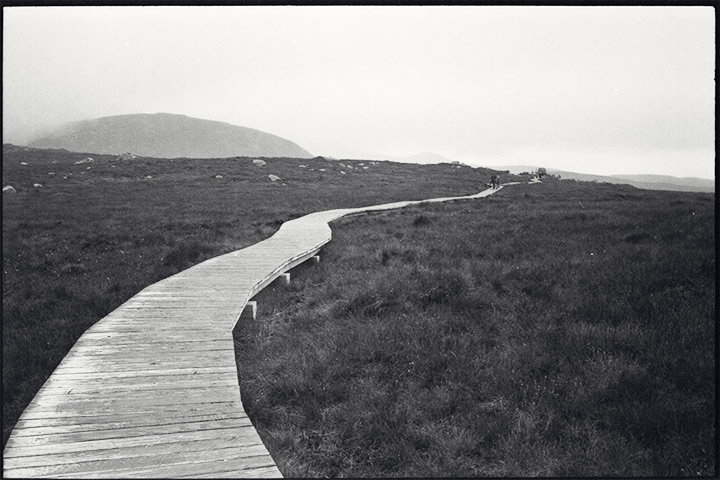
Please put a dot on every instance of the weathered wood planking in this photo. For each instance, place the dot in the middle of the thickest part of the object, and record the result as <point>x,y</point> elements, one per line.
<point>151,390</point>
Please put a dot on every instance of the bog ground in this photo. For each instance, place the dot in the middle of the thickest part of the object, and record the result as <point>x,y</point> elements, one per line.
<point>554,329</point>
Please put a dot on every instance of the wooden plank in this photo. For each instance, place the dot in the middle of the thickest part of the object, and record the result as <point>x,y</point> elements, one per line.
<point>123,420</point>
<point>153,397</point>
<point>203,444</point>
<point>146,424</point>
<point>161,465</point>
<point>149,441</point>
<point>130,431</point>
<point>139,410</point>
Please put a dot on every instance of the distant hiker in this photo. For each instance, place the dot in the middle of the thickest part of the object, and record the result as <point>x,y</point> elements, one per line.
<point>495,181</point>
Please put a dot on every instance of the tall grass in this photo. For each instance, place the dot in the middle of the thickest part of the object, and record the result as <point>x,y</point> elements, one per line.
<point>88,239</point>
<point>561,329</point>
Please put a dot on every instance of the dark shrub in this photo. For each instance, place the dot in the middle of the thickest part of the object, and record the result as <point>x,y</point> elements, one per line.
<point>638,237</point>
<point>441,287</point>
<point>185,255</point>
<point>421,220</point>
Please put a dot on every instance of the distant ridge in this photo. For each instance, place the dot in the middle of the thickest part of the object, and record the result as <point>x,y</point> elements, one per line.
<point>167,135</point>
<point>645,182</point>
<point>422,158</point>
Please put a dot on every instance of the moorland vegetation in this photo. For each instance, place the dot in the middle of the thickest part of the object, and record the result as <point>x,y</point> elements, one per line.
<point>557,329</point>
<point>100,228</point>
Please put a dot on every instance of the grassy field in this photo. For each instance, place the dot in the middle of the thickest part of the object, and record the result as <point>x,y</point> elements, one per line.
<point>559,329</point>
<point>98,232</point>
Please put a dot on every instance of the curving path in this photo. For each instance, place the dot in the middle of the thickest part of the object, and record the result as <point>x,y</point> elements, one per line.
<point>151,390</point>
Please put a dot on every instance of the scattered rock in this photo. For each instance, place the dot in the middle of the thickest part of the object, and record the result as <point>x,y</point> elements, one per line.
<point>365,168</point>
<point>149,177</point>
<point>259,163</point>
<point>88,168</point>
<point>113,166</point>
<point>54,161</point>
<point>23,163</point>
<point>273,178</point>
<point>361,164</point>
<point>85,160</point>
<point>51,174</point>
<point>9,189</point>
<point>126,156</point>
<point>218,176</point>
<point>302,166</point>
<point>322,169</point>
<point>37,185</point>
<point>343,172</point>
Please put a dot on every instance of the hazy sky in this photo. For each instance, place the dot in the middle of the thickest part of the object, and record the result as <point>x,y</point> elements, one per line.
<point>590,89</point>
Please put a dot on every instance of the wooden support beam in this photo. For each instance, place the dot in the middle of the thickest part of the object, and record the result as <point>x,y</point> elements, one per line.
<point>250,311</point>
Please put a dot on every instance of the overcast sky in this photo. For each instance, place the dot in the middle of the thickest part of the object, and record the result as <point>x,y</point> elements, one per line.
<point>589,89</point>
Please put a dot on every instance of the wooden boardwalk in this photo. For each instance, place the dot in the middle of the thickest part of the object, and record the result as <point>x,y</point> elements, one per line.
<point>151,390</point>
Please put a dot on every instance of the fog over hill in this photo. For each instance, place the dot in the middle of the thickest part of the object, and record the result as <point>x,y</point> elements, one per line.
<point>168,135</point>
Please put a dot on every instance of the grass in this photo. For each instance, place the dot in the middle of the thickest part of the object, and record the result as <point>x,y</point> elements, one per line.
<point>98,232</point>
<point>558,329</point>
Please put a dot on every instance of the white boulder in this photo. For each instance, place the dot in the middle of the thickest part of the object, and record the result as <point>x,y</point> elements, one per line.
<point>273,178</point>
<point>9,189</point>
<point>259,163</point>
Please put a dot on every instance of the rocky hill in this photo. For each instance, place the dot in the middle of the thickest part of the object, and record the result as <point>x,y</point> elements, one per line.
<point>168,135</point>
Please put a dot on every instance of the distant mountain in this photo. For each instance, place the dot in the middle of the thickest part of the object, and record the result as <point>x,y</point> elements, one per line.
<point>664,182</point>
<point>684,181</point>
<point>168,135</point>
<point>645,182</point>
